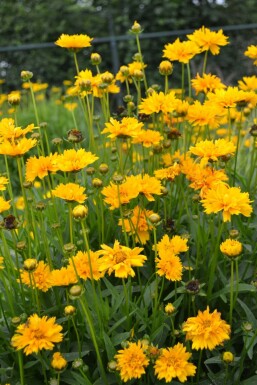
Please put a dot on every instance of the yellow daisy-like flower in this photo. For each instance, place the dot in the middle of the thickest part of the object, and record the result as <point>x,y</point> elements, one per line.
<point>212,151</point>
<point>3,182</point>
<point>116,195</point>
<point>13,148</point>
<point>120,260</point>
<point>137,224</point>
<point>170,267</point>
<point>147,185</point>
<point>248,83</point>
<point>63,277</point>
<point>132,361</point>
<point>39,278</point>
<point>148,138</point>
<point>158,102</point>
<point>58,362</point>
<point>37,334</point>
<point>208,40</point>
<point>251,52</point>
<point>4,205</point>
<point>74,42</point>
<point>206,330</point>
<point>40,167</point>
<point>205,114</point>
<point>126,128</point>
<point>70,106</point>
<point>182,51</point>
<point>85,264</point>
<point>206,83</point>
<point>70,192</point>
<point>231,248</point>
<point>173,362</point>
<point>226,98</point>
<point>72,160</point>
<point>229,200</point>
<point>175,245</point>
<point>168,173</point>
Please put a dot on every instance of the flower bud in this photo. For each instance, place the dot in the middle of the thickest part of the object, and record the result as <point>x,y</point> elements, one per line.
<point>57,141</point>
<point>136,28</point>
<point>26,75</point>
<point>30,264</point>
<point>69,248</point>
<point>90,170</point>
<point>96,182</point>
<point>58,362</point>
<point>169,308</point>
<point>118,179</point>
<point>77,363</point>
<point>40,206</point>
<point>107,77</point>
<point>16,321</point>
<point>228,357</point>
<point>112,365</point>
<point>74,136</point>
<point>124,70</point>
<point>21,245</point>
<point>154,219</point>
<point>75,291</point>
<point>193,287</point>
<point>138,75</point>
<point>95,58</point>
<point>14,98</point>
<point>80,212</point>
<point>69,310</point>
<point>166,68</point>
<point>103,168</point>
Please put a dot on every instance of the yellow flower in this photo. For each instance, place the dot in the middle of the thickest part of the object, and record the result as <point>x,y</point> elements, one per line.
<point>206,330</point>
<point>70,106</point>
<point>168,173</point>
<point>226,98</point>
<point>231,247</point>
<point>148,138</point>
<point>158,102</point>
<point>229,200</point>
<point>248,83</point>
<point>169,266</point>
<point>126,128</point>
<point>70,192</point>
<point>37,334</point>
<point>58,362</point>
<point>131,361</point>
<point>182,51</point>
<point>3,182</point>
<point>1,263</point>
<point>204,114</point>
<point>173,362</point>
<point>206,83</point>
<point>40,278</point>
<point>40,167</point>
<point>72,160</point>
<point>74,42</point>
<point>9,131</point>
<point>13,148</point>
<point>19,203</point>
<point>116,195</point>
<point>85,264</point>
<point>63,277</point>
<point>120,260</point>
<point>4,205</point>
<point>251,52</point>
<point>137,224</point>
<point>212,151</point>
<point>14,98</point>
<point>208,40</point>
<point>147,185</point>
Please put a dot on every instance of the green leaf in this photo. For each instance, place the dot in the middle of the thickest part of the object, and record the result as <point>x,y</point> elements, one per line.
<point>110,350</point>
<point>250,381</point>
<point>248,312</point>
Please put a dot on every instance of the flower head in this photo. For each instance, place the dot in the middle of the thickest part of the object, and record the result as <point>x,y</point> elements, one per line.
<point>131,361</point>
<point>251,52</point>
<point>212,151</point>
<point>37,334</point>
<point>70,192</point>
<point>229,200</point>
<point>58,362</point>
<point>116,195</point>
<point>40,167</point>
<point>74,42</point>
<point>120,260</point>
<point>231,248</point>
<point>87,265</point>
<point>208,40</point>
<point>72,160</point>
<point>126,128</point>
<point>41,277</point>
<point>17,148</point>
<point>206,330</point>
<point>182,51</point>
<point>206,83</point>
<point>4,205</point>
<point>173,362</point>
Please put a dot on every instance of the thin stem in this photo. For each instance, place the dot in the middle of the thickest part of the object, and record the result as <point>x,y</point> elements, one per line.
<point>231,292</point>
<point>21,367</point>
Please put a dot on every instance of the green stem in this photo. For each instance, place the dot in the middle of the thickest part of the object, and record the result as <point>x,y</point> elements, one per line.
<point>76,62</point>
<point>231,292</point>
<point>199,367</point>
<point>21,367</point>
<point>214,260</point>
<point>205,61</point>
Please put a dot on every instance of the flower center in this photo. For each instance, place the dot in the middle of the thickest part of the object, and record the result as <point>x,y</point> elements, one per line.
<point>120,257</point>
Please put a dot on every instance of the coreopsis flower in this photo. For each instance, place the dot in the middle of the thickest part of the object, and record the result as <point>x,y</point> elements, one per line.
<point>147,185</point>
<point>4,205</point>
<point>251,52</point>
<point>70,192</point>
<point>120,260</point>
<point>148,138</point>
<point>131,361</point>
<point>226,98</point>
<point>138,225</point>
<point>116,195</point>
<point>168,173</point>
<point>39,278</point>
<point>74,160</point>
<point>182,51</point>
<point>135,66</point>
<point>173,362</point>
<point>169,266</point>
<point>65,276</point>
<point>37,334</point>
<point>208,40</point>
<point>17,148</point>
<point>127,128</point>
<point>36,87</point>
<point>206,83</point>
<point>74,42</point>
<point>9,131</point>
<point>58,362</point>
<point>212,151</point>
<point>174,245</point>
<point>158,102</point>
<point>70,106</point>
<point>229,200</point>
<point>204,115</point>
<point>231,248</point>
<point>87,266</point>
<point>41,167</point>
<point>206,330</point>
<point>248,83</point>
<point>205,178</point>
<point>14,98</point>
<point>3,182</point>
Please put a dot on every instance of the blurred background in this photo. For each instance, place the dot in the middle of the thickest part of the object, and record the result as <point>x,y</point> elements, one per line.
<point>30,27</point>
